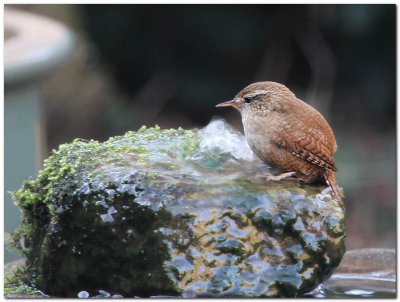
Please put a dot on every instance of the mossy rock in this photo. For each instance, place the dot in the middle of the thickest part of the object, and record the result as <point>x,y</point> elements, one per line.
<point>14,286</point>
<point>174,212</point>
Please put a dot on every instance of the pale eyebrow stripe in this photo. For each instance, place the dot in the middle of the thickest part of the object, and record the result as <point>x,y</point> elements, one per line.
<point>256,93</point>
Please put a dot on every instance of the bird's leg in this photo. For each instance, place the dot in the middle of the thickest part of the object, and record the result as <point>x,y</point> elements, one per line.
<point>279,177</point>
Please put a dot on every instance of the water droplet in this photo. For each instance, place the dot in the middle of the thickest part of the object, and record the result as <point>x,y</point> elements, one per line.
<point>166,231</point>
<point>110,192</point>
<point>112,210</point>
<point>84,189</point>
<point>102,202</point>
<point>83,294</point>
<point>107,218</point>
<point>358,292</point>
<point>104,294</point>
<point>127,188</point>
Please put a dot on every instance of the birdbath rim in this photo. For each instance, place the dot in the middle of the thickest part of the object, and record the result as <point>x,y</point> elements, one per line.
<point>33,46</point>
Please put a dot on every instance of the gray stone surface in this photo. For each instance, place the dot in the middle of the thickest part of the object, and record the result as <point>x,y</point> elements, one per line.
<point>174,212</point>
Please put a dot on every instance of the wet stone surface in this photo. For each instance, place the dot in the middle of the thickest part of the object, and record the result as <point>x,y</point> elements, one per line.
<point>365,273</point>
<point>173,213</point>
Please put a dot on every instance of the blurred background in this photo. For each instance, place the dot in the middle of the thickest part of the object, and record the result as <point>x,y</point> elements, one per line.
<point>170,64</point>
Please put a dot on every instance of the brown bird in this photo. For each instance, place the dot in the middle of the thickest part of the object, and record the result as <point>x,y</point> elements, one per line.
<point>287,134</point>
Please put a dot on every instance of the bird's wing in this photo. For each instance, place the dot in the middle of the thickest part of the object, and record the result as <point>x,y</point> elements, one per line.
<point>308,146</point>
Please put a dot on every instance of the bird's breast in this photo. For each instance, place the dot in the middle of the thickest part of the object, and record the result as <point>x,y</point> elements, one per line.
<point>259,134</point>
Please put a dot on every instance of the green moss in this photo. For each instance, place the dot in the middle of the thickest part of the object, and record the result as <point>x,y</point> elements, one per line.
<point>191,146</point>
<point>19,289</point>
<point>15,287</point>
<point>151,212</point>
<point>71,172</point>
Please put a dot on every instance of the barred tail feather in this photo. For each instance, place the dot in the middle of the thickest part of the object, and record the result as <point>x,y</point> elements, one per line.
<point>330,178</point>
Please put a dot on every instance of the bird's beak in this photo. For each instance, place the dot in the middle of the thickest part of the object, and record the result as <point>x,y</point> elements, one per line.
<point>231,103</point>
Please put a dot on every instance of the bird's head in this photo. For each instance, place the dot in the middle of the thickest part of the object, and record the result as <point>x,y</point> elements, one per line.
<point>261,98</point>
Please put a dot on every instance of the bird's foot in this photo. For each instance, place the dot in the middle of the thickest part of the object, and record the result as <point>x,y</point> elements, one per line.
<point>279,177</point>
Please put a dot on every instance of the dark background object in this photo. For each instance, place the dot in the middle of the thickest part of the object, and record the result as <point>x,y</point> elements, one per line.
<point>170,64</point>
<point>202,51</point>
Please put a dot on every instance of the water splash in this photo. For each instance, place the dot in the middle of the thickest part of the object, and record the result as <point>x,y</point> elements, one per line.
<point>218,136</point>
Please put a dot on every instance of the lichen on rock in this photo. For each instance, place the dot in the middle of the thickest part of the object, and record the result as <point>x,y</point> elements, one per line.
<point>174,212</point>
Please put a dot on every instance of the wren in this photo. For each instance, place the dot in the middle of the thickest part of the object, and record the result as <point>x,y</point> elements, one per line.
<point>287,134</point>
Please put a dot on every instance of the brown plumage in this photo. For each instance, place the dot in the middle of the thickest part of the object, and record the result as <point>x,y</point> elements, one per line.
<point>287,133</point>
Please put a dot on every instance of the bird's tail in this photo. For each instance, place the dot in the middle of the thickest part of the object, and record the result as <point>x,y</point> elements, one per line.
<point>330,179</point>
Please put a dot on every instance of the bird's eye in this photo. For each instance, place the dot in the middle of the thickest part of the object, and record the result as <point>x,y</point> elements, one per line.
<point>247,99</point>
